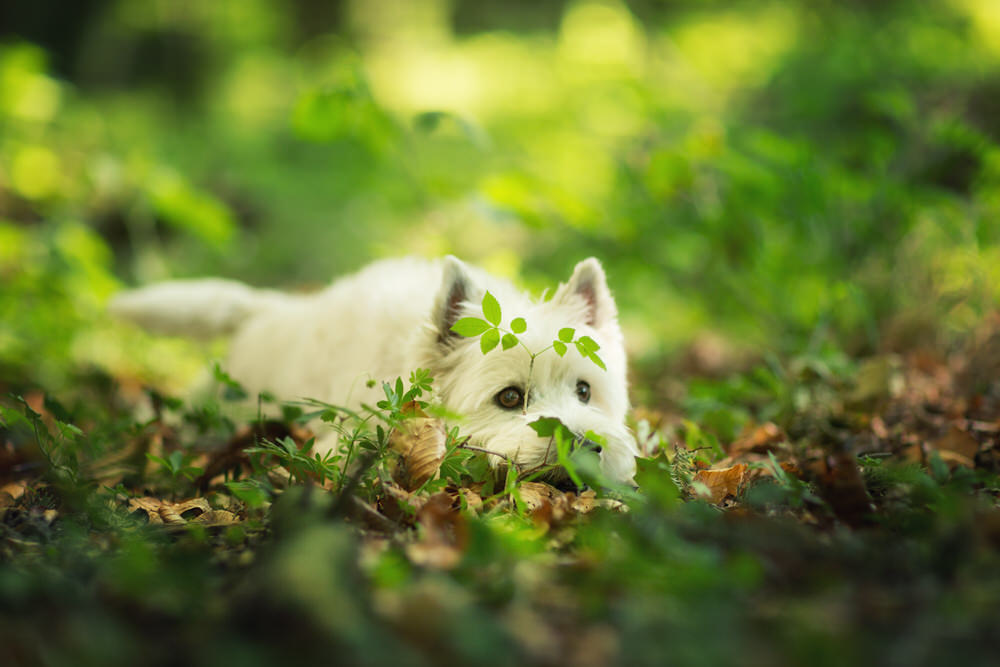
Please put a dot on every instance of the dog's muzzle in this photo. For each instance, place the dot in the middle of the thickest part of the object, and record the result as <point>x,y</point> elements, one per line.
<point>585,444</point>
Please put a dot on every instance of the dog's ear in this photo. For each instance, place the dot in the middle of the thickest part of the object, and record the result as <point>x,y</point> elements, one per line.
<point>589,284</point>
<point>457,287</point>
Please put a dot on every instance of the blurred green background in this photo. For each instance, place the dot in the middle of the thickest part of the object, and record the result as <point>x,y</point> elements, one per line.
<point>790,177</point>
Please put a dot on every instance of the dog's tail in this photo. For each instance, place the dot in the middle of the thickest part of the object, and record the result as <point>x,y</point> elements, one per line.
<point>203,308</point>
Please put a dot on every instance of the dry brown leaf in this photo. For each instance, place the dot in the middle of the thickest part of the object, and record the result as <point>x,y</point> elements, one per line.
<point>954,459</point>
<point>421,441</point>
<point>149,507</point>
<point>444,534</point>
<point>758,440</point>
<point>161,511</point>
<point>549,506</point>
<point>217,518</point>
<point>472,497</point>
<point>843,487</point>
<point>584,502</point>
<point>958,441</point>
<point>723,483</point>
<point>15,489</point>
<point>537,494</point>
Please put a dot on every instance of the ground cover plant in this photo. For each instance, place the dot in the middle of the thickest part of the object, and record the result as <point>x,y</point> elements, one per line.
<point>797,207</point>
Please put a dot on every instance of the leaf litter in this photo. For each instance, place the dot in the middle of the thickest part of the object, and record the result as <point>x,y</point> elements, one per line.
<point>825,469</point>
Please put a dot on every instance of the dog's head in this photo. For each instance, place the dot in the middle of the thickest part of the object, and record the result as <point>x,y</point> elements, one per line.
<point>500,393</point>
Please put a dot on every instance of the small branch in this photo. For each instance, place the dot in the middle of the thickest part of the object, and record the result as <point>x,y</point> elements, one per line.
<point>371,515</point>
<point>347,488</point>
<point>492,453</point>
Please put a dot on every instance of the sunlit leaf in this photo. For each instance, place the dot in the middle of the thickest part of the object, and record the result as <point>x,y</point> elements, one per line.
<point>489,340</point>
<point>470,326</point>
<point>491,309</point>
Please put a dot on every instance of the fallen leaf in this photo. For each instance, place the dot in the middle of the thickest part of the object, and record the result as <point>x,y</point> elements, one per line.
<point>217,518</point>
<point>160,511</point>
<point>444,534</point>
<point>843,487</point>
<point>421,441</point>
<point>954,460</point>
<point>14,489</point>
<point>759,440</point>
<point>549,506</point>
<point>959,442</point>
<point>723,483</point>
<point>536,494</point>
<point>471,496</point>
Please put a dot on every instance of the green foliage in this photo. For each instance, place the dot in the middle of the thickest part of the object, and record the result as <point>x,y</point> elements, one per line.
<point>491,334</point>
<point>785,489</point>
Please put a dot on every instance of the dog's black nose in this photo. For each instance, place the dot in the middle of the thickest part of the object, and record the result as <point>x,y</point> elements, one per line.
<point>589,445</point>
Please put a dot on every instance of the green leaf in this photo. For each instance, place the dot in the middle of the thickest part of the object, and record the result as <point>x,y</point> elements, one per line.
<point>491,309</point>
<point>508,341</point>
<point>249,491</point>
<point>566,335</point>
<point>589,344</point>
<point>233,391</point>
<point>158,460</point>
<point>597,360</point>
<point>545,426</point>
<point>518,325</point>
<point>489,340</point>
<point>559,347</point>
<point>470,326</point>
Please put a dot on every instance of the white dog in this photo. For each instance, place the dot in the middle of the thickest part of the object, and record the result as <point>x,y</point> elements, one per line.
<point>397,315</point>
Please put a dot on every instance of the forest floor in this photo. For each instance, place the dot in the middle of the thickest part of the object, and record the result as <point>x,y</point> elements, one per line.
<point>853,518</point>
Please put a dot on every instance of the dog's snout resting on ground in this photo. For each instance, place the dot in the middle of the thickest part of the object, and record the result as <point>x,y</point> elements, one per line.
<point>397,315</point>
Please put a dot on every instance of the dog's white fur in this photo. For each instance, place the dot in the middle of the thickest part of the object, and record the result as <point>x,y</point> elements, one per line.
<point>395,316</point>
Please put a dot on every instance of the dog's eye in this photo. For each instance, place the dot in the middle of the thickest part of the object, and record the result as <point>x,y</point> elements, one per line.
<point>583,391</point>
<point>510,398</point>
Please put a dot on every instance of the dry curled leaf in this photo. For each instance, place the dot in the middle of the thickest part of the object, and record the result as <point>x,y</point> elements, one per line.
<point>758,440</point>
<point>421,441</point>
<point>722,483</point>
<point>217,518</point>
<point>471,496</point>
<point>161,511</point>
<point>537,494</point>
<point>549,506</point>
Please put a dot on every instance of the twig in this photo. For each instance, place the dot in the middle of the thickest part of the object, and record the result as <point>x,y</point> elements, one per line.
<point>373,516</point>
<point>347,488</point>
<point>487,451</point>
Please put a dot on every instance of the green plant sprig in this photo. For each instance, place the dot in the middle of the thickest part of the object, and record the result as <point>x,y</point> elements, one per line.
<point>491,334</point>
